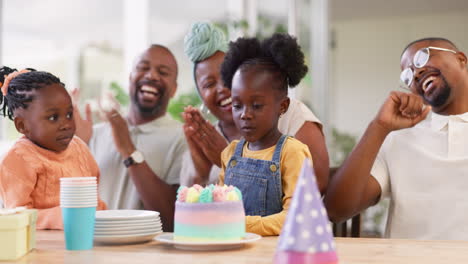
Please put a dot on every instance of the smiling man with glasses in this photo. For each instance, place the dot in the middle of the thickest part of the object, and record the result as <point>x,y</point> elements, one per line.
<point>416,157</point>
<point>420,59</point>
<point>422,75</point>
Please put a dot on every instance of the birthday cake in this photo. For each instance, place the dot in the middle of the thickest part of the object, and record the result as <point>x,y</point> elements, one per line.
<point>213,213</point>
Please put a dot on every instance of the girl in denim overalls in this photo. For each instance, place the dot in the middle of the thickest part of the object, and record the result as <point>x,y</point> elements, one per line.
<point>264,164</point>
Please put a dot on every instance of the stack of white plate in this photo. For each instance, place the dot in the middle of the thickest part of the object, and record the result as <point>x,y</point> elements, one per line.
<point>126,226</point>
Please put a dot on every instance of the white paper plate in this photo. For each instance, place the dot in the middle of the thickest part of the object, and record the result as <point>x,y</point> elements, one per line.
<point>122,239</point>
<point>98,232</point>
<point>127,228</point>
<point>168,238</point>
<point>117,215</point>
<point>138,230</point>
<point>129,225</point>
<point>128,221</point>
<point>124,225</point>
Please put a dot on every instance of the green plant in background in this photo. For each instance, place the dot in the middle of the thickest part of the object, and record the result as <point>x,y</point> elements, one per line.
<point>119,94</point>
<point>341,145</point>
<point>266,26</point>
<point>237,24</point>
<point>177,105</point>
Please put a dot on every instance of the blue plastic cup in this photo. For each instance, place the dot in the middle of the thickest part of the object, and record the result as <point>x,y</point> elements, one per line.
<point>78,224</point>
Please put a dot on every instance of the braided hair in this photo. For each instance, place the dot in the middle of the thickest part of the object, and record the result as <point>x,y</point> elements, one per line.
<point>280,55</point>
<point>20,90</point>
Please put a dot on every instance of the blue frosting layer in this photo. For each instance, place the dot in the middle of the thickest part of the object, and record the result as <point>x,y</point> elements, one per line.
<point>218,231</point>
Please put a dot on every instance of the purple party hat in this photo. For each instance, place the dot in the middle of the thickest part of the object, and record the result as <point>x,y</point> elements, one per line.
<point>307,235</point>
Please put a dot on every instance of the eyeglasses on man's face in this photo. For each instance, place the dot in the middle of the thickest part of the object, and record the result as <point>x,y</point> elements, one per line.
<point>420,59</point>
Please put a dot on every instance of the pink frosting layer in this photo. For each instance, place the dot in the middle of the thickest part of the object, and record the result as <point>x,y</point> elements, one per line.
<point>209,213</point>
<point>207,218</point>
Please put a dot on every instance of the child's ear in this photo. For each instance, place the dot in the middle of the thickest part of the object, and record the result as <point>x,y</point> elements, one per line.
<point>20,125</point>
<point>284,105</point>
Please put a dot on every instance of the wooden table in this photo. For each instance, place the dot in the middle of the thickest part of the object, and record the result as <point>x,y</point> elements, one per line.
<point>51,249</point>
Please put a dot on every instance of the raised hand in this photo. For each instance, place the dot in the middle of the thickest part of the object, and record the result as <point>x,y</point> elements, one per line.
<point>84,126</point>
<point>210,141</point>
<point>122,139</point>
<point>401,110</point>
<point>201,163</point>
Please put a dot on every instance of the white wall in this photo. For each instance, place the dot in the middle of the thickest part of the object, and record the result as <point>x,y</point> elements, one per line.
<point>366,61</point>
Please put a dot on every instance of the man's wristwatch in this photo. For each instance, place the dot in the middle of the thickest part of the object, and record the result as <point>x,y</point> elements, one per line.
<point>135,158</point>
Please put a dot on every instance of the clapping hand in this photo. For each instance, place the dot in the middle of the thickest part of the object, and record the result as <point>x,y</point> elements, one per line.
<point>204,134</point>
<point>84,126</point>
<point>109,111</point>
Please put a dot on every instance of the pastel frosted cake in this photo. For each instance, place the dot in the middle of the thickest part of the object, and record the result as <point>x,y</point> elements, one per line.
<point>213,213</point>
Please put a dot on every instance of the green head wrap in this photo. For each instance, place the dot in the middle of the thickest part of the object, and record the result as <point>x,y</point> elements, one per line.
<point>203,40</point>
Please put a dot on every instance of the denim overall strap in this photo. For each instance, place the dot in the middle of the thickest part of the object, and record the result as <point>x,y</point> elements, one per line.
<point>239,148</point>
<point>276,159</point>
<point>258,180</point>
<point>279,147</point>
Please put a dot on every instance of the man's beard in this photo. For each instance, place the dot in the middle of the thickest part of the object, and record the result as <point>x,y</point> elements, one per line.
<point>159,107</point>
<point>442,96</point>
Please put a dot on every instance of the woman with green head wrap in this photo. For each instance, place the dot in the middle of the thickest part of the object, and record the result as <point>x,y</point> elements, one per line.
<point>206,46</point>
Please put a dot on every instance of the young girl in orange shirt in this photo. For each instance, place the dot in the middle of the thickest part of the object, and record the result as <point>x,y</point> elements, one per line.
<point>30,172</point>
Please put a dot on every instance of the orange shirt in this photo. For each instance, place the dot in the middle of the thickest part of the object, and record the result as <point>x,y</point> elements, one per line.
<point>30,176</point>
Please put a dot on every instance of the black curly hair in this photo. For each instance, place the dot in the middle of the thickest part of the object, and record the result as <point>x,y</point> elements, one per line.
<point>280,55</point>
<point>20,89</point>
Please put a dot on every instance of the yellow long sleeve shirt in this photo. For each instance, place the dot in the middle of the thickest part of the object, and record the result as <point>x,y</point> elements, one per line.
<point>292,157</point>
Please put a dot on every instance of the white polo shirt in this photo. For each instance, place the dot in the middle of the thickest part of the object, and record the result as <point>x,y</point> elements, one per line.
<point>424,171</point>
<point>162,143</point>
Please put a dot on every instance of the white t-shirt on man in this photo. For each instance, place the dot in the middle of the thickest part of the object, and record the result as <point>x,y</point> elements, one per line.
<point>162,143</point>
<point>424,171</point>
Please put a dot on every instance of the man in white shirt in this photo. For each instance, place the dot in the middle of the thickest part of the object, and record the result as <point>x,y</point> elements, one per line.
<point>416,157</point>
<point>139,156</point>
